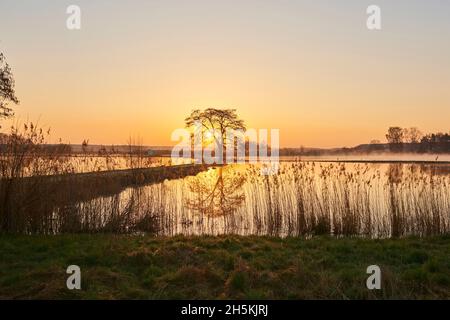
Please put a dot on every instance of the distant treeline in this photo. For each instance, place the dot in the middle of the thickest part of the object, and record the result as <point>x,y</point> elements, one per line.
<point>406,140</point>
<point>399,140</point>
<point>422,147</point>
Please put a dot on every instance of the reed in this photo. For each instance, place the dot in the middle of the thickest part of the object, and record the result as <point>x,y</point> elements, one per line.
<point>303,199</point>
<point>30,202</point>
<point>307,199</point>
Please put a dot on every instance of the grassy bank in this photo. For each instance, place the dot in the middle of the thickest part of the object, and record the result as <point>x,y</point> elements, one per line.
<point>137,267</point>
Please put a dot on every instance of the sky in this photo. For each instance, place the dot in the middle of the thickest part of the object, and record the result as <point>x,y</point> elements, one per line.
<point>309,68</point>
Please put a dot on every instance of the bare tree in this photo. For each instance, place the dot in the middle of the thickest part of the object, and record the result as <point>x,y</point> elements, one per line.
<point>7,92</point>
<point>395,138</point>
<point>412,135</point>
<point>218,121</point>
<point>395,135</point>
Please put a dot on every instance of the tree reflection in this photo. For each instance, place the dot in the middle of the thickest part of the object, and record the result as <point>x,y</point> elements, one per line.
<point>217,192</point>
<point>395,173</point>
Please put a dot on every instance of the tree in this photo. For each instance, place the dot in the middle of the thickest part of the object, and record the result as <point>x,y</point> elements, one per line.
<point>218,121</point>
<point>395,135</point>
<point>7,92</point>
<point>412,135</point>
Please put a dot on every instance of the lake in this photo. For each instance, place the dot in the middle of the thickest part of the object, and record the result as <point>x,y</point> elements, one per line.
<point>305,198</point>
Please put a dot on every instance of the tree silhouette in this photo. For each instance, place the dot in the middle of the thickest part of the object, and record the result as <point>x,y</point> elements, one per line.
<point>395,135</point>
<point>216,121</point>
<point>7,93</point>
<point>412,135</point>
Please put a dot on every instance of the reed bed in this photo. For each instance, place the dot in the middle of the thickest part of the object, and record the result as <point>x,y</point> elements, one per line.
<point>307,199</point>
<point>302,199</point>
<point>30,204</point>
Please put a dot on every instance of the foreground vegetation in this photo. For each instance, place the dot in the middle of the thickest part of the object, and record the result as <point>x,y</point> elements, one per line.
<point>144,267</point>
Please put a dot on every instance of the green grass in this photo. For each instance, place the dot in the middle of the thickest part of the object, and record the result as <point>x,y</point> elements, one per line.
<point>225,267</point>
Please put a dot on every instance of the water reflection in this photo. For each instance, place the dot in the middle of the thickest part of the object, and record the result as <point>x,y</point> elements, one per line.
<point>395,172</point>
<point>372,200</point>
<point>217,192</point>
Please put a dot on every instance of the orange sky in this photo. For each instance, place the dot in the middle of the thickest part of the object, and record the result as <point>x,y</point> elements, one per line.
<point>312,70</point>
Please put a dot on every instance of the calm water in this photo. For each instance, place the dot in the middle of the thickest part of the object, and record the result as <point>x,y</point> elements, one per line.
<point>304,198</point>
<point>92,163</point>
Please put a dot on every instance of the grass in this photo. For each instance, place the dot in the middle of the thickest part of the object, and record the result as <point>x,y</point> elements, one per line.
<point>224,267</point>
